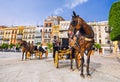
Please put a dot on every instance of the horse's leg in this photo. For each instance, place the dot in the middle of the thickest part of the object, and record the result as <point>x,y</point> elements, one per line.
<point>88,62</point>
<point>76,61</point>
<point>22,56</point>
<point>71,58</point>
<point>82,65</point>
<point>25,55</point>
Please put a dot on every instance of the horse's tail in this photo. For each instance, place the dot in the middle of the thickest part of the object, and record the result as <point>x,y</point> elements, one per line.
<point>93,45</point>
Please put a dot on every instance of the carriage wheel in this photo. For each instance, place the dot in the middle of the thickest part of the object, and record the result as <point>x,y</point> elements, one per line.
<point>35,52</point>
<point>56,60</point>
<point>28,54</point>
<point>40,55</point>
<point>46,54</point>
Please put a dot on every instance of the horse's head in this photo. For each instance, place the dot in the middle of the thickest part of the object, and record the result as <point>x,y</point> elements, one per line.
<point>76,22</point>
<point>21,42</point>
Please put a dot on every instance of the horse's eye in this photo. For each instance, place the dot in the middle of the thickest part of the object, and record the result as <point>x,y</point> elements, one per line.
<point>74,23</point>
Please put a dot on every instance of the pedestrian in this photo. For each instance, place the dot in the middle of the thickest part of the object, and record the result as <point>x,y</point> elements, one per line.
<point>56,44</point>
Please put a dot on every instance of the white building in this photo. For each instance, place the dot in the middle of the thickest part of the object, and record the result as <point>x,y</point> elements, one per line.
<point>38,35</point>
<point>64,25</point>
<point>29,34</point>
<point>101,32</point>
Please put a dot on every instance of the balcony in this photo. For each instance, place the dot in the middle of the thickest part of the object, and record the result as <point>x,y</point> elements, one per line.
<point>29,32</point>
<point>37,36</point>
<point>6,39</point>
<point>19,34</point>
<point>7,42</point>
<point>19,38</point>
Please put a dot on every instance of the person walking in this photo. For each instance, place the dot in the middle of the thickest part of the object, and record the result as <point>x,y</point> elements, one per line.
<point>56,44</point>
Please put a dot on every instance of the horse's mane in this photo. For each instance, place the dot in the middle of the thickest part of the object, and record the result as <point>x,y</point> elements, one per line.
<point>25,44</point>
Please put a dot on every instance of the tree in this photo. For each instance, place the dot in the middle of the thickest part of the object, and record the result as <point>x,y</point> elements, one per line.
<point>11,46</point>
<point>4,46</point>
<point>17,46</point>
<point>114,21</point>
<point>49,45</point>
<point>97,46</point>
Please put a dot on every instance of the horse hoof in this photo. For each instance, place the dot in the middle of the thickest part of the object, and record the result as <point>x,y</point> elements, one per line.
<point>89,75</point>
<point>82,75</point>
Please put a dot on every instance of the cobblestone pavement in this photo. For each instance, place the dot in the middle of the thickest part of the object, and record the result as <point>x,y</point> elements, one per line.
<point>103,68</point>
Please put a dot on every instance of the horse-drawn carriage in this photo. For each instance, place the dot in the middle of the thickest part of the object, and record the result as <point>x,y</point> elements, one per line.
<point>82,44</point>
<point>28,50</point>
<point>63,52</point>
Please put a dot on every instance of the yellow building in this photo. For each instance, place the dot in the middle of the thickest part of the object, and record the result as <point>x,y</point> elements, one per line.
<point>2,33</point>
<point>20,30</point>
<point>55,30</point>
<point>13,34</point>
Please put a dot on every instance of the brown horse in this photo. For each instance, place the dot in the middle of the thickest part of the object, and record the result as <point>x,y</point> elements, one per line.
<point>84,40</point>
<point>26,48</point>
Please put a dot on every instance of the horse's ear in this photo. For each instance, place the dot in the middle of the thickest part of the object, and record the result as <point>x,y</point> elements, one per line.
<point>74,14</point>
<point>77,15</point>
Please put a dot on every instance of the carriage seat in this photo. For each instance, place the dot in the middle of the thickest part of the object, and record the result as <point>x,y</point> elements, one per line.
<point>41,49</point>
<point>35,48</point>
<point>64,44</point>
<point>64,48</point>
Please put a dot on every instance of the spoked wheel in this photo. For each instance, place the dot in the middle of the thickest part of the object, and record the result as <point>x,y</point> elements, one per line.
<point>40,55</point>
<point>28,55</point>
<point>46,54</point>
<point>56,60</point>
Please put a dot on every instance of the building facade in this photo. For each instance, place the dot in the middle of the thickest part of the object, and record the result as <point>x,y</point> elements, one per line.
<point>2,28</point>
<point>55,30</point>
<point>29,34</point>
<point>100,32</point>
<point>10,35</point>
<point>13,34</point>
<point>38,35</point>
<point>48,24</point>
<point>64,25</point>
<point>20,30</point>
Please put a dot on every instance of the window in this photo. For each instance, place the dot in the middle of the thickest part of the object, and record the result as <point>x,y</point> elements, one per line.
<point>40,30</point>
<point>46,25</point>
<point>46,30</point>
<point>50,25</point>
<point>49,30</point>
<point>99,35</point>
<point>99,41</point>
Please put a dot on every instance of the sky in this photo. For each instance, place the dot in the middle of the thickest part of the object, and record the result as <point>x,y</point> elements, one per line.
<point>34,12</point>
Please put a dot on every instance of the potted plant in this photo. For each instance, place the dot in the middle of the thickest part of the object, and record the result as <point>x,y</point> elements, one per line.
<point>49,45</point>
<point>4,46</point>
<point>97,46</point>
